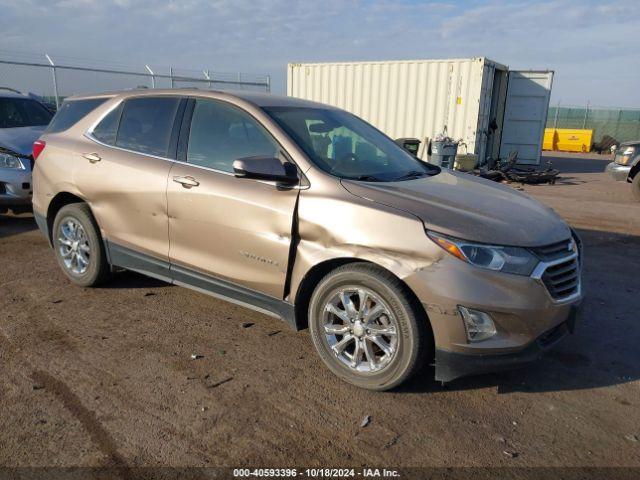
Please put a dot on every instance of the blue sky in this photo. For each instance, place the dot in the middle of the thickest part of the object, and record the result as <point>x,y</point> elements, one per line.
<point>592,46</point>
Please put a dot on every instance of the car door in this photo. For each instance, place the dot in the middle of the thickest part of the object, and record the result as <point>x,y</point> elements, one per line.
<point>125,168</point>
<point>233,229</point>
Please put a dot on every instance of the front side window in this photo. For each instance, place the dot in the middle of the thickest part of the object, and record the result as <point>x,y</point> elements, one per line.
<point>221,133</point>
<point>345,146</point>
<point>18,112</point>
<point>146,125</point>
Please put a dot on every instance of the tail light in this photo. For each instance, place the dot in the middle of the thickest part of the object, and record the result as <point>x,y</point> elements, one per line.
<point>38,147</point>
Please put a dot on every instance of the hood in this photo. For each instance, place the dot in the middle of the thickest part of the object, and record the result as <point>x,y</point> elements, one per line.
<point>20,140</point>
<point>470,208</point>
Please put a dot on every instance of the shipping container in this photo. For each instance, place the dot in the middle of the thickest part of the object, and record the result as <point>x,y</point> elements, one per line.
<point>489,108</point>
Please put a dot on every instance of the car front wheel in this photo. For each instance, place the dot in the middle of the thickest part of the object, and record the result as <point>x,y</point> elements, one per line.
<point>366,327</point>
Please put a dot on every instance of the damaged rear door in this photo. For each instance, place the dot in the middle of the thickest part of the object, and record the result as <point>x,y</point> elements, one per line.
<point>231,228</point>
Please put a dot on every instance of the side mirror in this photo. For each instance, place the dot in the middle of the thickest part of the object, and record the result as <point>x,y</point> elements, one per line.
<point>266,168</point>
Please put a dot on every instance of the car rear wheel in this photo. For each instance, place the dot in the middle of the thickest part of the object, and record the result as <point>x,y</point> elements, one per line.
<point>635,187</point>
<point>366,328</point>
<point>78,246</point>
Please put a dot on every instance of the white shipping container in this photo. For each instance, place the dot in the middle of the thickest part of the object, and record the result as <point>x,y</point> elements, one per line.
<point>490,109</point>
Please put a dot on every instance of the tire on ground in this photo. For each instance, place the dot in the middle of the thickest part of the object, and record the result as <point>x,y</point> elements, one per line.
<point>413,348</point>
<point>98,270</point>
<point>635,187</point>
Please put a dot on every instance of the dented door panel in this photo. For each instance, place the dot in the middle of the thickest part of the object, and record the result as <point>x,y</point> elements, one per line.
<point>232,228</point>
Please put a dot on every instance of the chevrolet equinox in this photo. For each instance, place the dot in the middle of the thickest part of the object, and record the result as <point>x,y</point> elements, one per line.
<point>307,213</point>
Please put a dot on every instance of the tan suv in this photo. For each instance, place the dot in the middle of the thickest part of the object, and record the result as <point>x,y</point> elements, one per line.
<point>305,212</point>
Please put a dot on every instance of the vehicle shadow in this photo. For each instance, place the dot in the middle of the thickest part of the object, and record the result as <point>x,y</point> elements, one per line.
<point>578,165</point>
<point>602,352</point>
<point>16,224</point>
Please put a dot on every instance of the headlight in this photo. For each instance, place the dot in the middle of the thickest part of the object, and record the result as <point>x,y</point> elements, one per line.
<point>9,161</point>
<point>502,259</point>
<point>624,158</point>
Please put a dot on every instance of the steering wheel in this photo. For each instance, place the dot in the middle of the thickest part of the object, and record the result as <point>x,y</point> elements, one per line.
<point>345,162</point>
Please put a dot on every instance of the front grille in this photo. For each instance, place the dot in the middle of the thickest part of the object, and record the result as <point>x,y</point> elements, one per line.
<point>561,264</point>
<point>554,251</point>
<point>562,279</point>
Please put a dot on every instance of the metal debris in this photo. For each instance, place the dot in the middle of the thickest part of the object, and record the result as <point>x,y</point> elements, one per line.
<point>217,384</point>
<point>511,453</point>
<point>365,421</point>
<point>632,438</point>
<point>275,332</point>
<point>196,356</point>
<point>392,442</point>
<point>247,324</point>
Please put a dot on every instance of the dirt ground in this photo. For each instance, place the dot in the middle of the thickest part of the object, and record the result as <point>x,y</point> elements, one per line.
<point>93,377</point>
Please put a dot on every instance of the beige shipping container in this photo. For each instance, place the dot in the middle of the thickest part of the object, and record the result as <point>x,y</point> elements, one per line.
<point>468,99</point>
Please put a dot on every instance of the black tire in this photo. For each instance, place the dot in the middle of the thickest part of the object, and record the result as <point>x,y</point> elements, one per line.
<point>97,270</point>
<point>635,187</point>
<point>413,344</point>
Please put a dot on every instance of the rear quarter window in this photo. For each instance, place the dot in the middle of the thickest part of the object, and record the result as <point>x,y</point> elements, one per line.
<point>107,129</point>
<point>71,112</point>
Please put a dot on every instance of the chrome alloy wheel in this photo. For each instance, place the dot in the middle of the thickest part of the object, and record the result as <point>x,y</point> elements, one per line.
<point>74,246</point>
<point>360,329</point>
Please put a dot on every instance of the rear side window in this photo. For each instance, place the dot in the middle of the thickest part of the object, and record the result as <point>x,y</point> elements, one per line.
<point>146,125</point>
<point>107,129</point>
<point>71,112</point>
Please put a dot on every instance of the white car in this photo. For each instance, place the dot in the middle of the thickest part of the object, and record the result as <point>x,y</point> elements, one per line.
<point>22,121</point>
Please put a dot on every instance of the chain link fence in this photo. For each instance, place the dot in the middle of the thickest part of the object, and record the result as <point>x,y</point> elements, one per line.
<point>623,124</point>
<point>54,78</point>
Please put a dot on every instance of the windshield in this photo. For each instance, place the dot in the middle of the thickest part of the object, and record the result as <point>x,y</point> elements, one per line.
<point>345,146</point>
<point>22,112</point>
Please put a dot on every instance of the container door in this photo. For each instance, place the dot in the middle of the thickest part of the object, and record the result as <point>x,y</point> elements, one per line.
<point>525,114</point>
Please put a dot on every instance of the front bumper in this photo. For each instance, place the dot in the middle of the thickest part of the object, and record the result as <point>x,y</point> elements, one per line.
<point>451,365</point>
<point>619,173</point>
<point>15,188</point>
<point>521,307</point>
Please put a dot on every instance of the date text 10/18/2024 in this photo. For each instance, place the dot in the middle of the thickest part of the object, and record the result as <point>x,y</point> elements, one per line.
<point>316,472</point>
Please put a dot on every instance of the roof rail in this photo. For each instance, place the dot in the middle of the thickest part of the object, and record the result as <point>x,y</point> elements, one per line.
<point>11,90</point>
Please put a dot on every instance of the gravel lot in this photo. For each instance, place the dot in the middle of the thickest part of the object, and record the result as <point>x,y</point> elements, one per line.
<point>93,377</point>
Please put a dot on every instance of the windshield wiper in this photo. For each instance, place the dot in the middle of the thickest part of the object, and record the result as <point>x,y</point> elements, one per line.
<point>366,178</point>
<point>412,174</point>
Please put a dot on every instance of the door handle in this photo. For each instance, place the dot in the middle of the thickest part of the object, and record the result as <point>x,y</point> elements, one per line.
<point>92,157</point>
<point>186,182</point>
